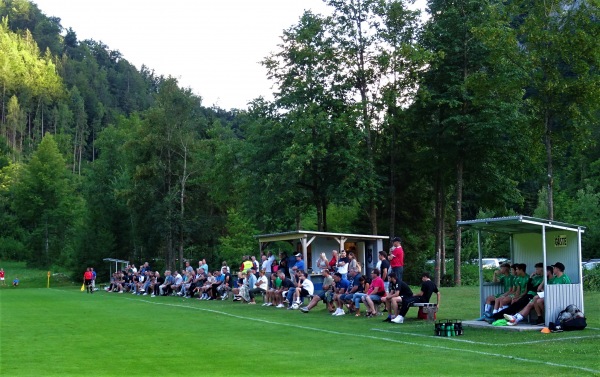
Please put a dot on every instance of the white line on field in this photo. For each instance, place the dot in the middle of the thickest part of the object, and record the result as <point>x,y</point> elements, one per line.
<point>459,340</point>
<point>510,357</point>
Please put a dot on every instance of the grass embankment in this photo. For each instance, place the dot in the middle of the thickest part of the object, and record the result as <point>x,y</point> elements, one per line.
<point>34,278</point>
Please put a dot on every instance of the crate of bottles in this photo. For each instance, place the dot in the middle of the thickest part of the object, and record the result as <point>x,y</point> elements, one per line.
<point>448,327</point>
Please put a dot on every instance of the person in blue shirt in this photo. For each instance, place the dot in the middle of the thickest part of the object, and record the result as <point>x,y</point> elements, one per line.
<point>299,265</point>
<point>16,282</point>
<point>341,288</point>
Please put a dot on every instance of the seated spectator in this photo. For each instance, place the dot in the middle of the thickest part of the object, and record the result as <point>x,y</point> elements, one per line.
<point>363,288</point>
<point>165,288</point>
<point>260,287</point>
<point>305,288</point>
<point>157,282</point>
<point>271,294</point>
<point>240,282</point>
<point>427,289</point>
<point>341,292</point>
<point>537,303</point>
<point>287,285</point>
<point>178,281</point>
<point>203,290</point>
<point>504,277</point>
<point>325,294</point>
<point>375,293</point>
<point>399,290</point>
<point>15,282</point>
<point>354,287</point>
<point>225,286</point>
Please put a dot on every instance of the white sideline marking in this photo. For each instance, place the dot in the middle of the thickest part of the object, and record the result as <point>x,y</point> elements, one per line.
<point>455,339</point>
<point>533,361</point>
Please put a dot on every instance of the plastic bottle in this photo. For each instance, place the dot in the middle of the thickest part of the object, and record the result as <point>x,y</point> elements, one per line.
<point>442,329</point>
<point>449,328</point>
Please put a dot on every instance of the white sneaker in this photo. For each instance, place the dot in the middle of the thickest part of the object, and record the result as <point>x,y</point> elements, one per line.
<point>269,304</point>
<point>336,312</point>
<point>265,304</point>
<point>511,320</point>
<point>153,295</point>
<point>280,306</point>
<point>342,312</point>
<point>120,291</point>
<point>398,319</point>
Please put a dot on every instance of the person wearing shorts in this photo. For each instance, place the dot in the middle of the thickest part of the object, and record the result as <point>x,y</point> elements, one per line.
<point>2,277</point>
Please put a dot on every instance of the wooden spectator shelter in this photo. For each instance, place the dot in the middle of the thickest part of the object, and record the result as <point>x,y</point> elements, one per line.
<point>311,244</point>
<point>533,240</point>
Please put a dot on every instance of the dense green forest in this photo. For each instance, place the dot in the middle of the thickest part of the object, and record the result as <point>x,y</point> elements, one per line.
<point>381,123</point>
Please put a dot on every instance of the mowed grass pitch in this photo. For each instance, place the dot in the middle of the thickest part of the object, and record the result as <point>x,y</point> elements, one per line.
<point>51,332</point>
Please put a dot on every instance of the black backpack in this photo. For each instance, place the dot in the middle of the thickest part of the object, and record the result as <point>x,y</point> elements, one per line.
<point>570,319</point>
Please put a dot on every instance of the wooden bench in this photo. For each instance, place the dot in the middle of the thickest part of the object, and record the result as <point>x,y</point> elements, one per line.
<point>428,308</point>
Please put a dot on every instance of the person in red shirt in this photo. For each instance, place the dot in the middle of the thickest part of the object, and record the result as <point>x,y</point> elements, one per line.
<point>333,262</point>
<point>88,276</point>
<point>2,277</point>
<point>375,293</point>
<point>396,258</point>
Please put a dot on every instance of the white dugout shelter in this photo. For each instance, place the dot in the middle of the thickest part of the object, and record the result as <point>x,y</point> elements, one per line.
<point>532,241</point>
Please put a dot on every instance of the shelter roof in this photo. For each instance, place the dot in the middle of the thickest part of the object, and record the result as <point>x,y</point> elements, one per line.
<point>297,234</point>
<point>517,224</point>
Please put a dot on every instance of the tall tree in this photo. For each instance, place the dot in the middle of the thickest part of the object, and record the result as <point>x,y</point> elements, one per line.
<point>47,206</point>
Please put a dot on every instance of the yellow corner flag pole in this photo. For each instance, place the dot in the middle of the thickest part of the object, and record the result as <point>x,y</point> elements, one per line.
<point>48,279</point>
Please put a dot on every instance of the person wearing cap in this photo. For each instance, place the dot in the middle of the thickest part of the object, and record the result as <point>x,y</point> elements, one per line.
<point>396,257</point>
<point>538,303</point>
<point>299,265</point>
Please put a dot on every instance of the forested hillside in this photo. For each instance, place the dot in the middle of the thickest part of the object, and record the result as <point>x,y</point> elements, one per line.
<point>381,123</point>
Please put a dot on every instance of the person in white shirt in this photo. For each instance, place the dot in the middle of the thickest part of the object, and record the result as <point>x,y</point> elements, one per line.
<point>260,287</point>
<point>305,289</point>
<point>267,263</point>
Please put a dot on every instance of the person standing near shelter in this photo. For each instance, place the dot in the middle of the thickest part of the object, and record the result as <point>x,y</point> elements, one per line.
<point>396,258</point>
<point>87,280</point>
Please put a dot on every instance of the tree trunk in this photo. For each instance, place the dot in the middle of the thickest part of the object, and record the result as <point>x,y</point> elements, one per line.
<point>548,142</point>
<point>439,227</point>
<point>458,214</point>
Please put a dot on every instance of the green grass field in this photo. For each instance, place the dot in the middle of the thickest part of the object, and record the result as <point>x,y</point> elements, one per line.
<point>64,332</point>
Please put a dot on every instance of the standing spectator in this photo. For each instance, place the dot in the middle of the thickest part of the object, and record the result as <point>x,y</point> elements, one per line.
<point>291,263</point>
<point>93,278</point>
<point>188,268</point>
<point>224,265</point>
<point>353,263</point>
<point>396,258</point>
<point>384,268</point>
<point>2,277</point>
<point>267,263</point>
<point>87,280</point>
<point>342,265</point>
<point>203,266</point>
<point>322,263</point>
<point>255,263</point>
<point>283,264</point>
<point>333,262</point>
